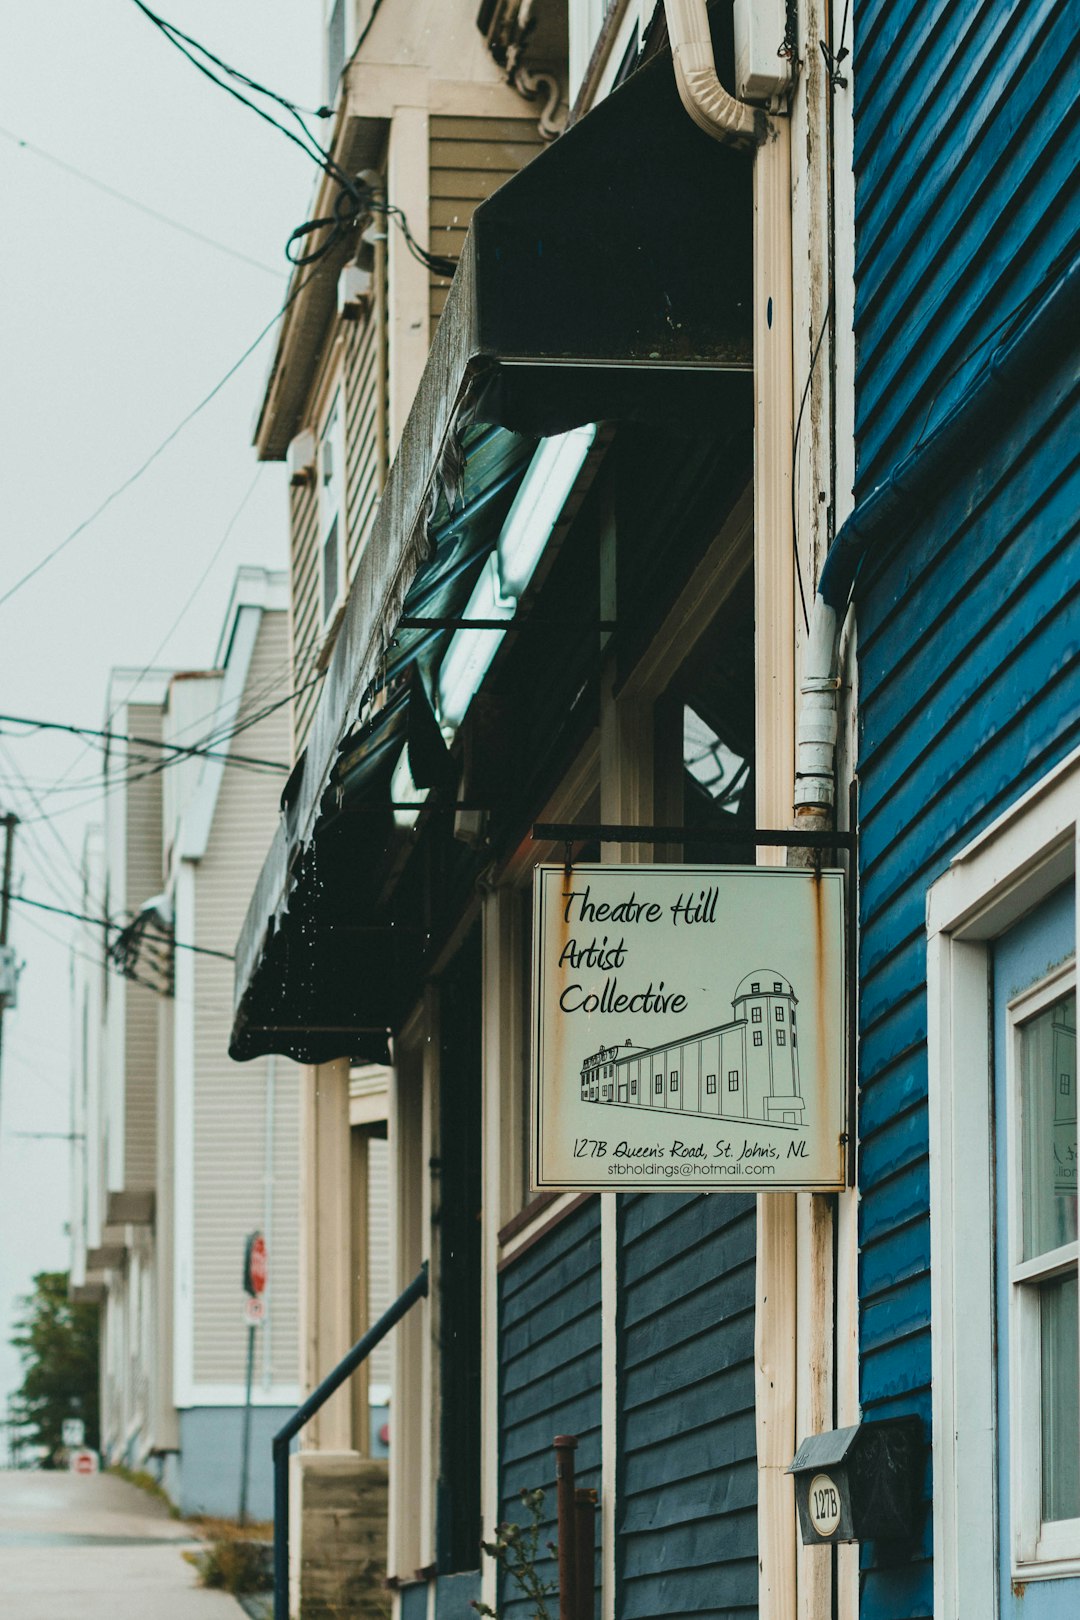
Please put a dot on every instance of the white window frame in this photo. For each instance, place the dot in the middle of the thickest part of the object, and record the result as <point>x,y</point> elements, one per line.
<point>1023,857</point>
<point>1051,1548</point>
<point>332,435</point>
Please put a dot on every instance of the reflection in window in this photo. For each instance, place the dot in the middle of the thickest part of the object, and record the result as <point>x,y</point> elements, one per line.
<point>712,764</point>
<point>1047,1063</point>
<point>1048,1112</point>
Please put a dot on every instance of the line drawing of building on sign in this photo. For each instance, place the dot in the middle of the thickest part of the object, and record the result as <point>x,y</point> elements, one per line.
<point>746,1070</point>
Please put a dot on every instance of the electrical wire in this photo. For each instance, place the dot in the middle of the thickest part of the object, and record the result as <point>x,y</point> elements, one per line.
<point>163,643</point>
<point>105,961</point>
<point>173,32</point>
<point>188,750</point>
<point>163,765</point>
<point>795,461</point>
<point>104,922</point>
<point>355,199</point>
<point>133,478</point>
<point>133,202</point>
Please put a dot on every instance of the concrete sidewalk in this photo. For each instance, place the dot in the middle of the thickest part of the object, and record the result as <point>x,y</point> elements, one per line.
<point>95,1548</point>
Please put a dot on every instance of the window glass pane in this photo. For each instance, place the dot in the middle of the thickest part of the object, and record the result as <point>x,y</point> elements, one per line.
<point>1060,1399</point>
<point>331,567</point>
<point>712,764</point>
<point>1048,1104</point>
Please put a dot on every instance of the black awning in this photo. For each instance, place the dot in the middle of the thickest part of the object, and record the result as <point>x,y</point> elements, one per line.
<point>319,983</point>
<point>612,278</point>
<point>609,280</point>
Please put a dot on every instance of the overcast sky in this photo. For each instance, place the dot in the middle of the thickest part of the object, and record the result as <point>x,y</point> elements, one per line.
<point>112,327</point>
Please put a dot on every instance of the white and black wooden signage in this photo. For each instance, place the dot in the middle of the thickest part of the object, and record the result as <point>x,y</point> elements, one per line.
<point>688,1028</point>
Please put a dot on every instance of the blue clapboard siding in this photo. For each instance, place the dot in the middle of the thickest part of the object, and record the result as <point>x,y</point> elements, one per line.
<point>969,677</point>
<point>687,1476</point>
<point>969,632</point>
<point>966,194</point>
<point>549,1374</point>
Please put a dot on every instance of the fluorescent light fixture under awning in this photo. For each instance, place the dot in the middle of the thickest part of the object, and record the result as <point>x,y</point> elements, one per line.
<point>468,657</point>
<point>507,573</point>
<point>545,488</point>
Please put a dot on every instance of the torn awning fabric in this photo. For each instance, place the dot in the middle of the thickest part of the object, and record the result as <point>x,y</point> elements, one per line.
<point>609,280</point>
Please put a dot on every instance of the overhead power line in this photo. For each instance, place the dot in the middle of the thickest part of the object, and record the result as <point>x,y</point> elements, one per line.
<point>354,200</point>
<point>103,922</point>
<point>134,477</point>
<point>133,202</point>
<point>185,749</point>
<point>162,765</point>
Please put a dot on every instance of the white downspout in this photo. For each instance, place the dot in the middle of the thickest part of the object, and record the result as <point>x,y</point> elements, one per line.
<point>818,717</point>
<point>704,97</point>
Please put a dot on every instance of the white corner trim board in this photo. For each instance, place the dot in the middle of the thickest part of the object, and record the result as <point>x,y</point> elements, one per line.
<point>1014,864</point>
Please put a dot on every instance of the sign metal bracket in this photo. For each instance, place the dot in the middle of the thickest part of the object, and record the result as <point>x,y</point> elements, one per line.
<point>560,832</point>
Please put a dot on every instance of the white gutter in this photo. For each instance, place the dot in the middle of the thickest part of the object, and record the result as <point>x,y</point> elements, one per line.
<point>818,716</point>
<point>704,97</point>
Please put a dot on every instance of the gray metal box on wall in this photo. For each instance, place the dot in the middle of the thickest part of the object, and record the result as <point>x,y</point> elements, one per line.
<point>860,1483</point>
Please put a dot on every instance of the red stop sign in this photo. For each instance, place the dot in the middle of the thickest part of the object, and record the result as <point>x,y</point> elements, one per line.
<point>255,1270</point>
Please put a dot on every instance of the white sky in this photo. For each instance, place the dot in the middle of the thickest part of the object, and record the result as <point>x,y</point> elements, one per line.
<point>112,327</point>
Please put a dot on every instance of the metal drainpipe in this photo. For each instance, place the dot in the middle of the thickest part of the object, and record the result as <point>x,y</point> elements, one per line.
<point>892,508</point>
<point>711,107</point>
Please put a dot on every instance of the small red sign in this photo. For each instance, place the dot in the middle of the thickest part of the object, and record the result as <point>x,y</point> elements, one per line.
<point>83,1462</point>
<point>255,1268</point>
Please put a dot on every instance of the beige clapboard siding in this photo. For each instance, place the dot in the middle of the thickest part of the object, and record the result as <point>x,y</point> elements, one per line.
<point>469,159</point>
<point>142,880</point>
<point>363,389</point>
<point>379,1279</point>
<point>230,1098</point>
<point>306,608</point>
<point>365,417</point>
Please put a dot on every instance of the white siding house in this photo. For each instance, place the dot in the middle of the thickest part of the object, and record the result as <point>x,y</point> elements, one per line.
<point>184,1152</point>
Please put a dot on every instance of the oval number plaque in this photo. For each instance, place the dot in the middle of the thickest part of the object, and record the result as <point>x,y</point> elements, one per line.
<point>824,1505</point>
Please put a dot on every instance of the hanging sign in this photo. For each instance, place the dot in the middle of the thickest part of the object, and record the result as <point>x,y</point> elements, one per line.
<point>689,1029</point>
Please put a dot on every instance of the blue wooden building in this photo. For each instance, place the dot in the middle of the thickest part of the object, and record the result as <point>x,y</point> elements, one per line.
<point>578,599</point>
<point>967,605</point>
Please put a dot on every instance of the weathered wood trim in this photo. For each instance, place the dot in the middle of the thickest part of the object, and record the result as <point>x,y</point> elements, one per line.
<point>526,1215</point>
<point>545,1223</point>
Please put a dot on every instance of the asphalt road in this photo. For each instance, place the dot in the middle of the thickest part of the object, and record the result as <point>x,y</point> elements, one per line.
<point>95,1549</point>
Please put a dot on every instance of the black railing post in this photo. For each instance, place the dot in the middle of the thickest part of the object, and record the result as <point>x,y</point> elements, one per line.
<point>348,1364</point>
<point>281,1528</point>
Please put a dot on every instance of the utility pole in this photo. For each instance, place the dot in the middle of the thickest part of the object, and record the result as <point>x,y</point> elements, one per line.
<point>10,822</point>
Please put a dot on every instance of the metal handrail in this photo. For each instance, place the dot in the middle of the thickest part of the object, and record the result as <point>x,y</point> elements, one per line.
<point>348,1364</point>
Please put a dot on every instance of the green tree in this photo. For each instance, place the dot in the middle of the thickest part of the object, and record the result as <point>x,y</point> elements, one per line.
<point>58,1343</point>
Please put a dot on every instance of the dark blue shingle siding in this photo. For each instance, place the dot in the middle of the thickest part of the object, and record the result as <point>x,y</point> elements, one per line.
<point>969,630</point>
<point>687,1491</point>
<point>549,1373</point>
